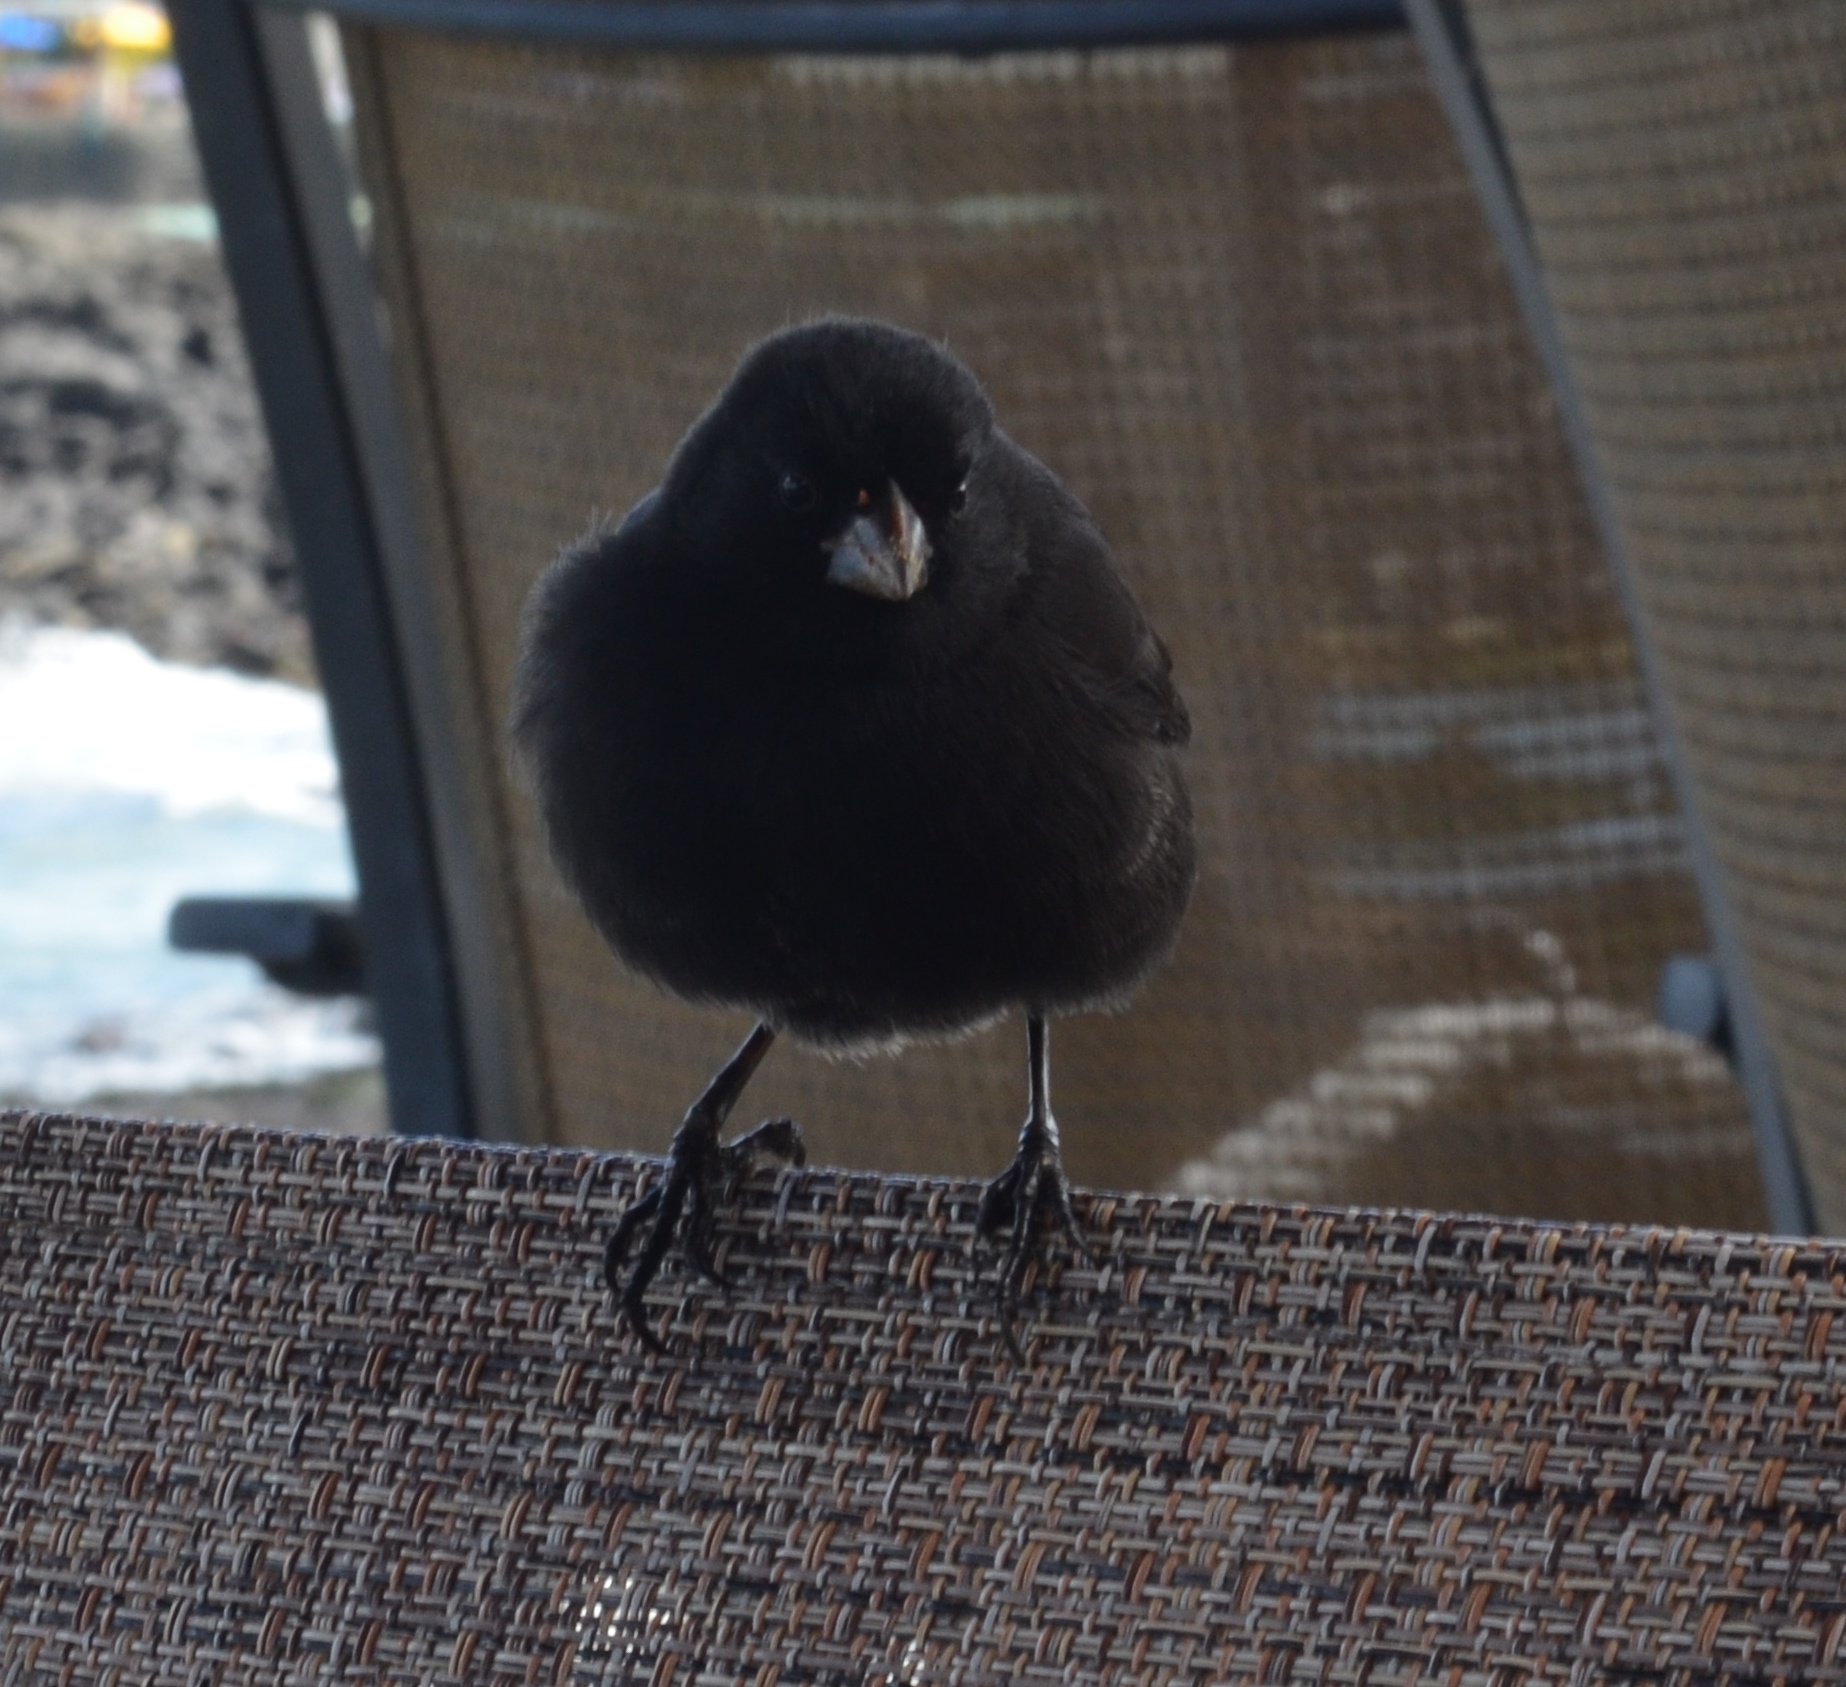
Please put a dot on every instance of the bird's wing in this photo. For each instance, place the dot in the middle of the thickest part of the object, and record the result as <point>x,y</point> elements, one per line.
<point>1149,689</point>
<point>1081,599</point>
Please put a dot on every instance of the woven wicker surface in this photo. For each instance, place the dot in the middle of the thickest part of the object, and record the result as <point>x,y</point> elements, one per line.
<point>1243,301</point>
<point>281,1407</point>
<point>1684,165</point>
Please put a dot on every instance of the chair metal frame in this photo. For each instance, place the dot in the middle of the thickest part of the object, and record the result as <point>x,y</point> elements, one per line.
<point>310,318</point>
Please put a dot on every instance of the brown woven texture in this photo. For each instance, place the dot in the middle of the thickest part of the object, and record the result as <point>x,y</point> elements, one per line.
<point>1684,167</point>
<point>281,1408</point>
<point>1243,301</point>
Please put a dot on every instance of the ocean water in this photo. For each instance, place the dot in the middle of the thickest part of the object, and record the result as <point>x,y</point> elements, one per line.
<point>125,784</point>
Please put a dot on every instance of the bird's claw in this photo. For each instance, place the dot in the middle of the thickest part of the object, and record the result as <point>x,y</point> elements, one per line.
<point>780,1137</point>
<point>638,1213</point>
<point>701,1221</point>
<point>700,1172</point>
<point>1032,1190</point>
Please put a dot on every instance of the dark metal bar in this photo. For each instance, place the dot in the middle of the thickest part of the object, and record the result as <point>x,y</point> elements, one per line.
<point>307,944</point>
<point>1441,30</point>
<point>871,26</point>
<point>267,254</point>
<point>323,187</point>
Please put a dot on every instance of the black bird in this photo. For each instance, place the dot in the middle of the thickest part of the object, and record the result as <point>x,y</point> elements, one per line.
<point>854,723</point>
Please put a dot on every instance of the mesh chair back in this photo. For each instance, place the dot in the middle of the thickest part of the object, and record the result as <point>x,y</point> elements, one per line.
<point>1684,168</point>
<point>280,1408</point>
<point>1242,300</point>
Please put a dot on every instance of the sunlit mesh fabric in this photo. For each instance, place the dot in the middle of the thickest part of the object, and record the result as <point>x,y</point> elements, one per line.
<point>1684,166</point>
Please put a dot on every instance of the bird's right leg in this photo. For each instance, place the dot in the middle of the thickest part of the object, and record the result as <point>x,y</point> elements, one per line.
<point>1031,1192</point>
<point>699,1168</point>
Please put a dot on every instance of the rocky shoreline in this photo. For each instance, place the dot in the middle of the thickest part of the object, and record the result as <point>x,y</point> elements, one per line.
<point>136,487</point>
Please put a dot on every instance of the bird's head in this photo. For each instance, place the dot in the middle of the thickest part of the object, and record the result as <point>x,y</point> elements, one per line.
<point>834,468</point>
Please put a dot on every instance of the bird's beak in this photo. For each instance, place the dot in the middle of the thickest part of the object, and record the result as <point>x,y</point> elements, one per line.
<point>883,551</point>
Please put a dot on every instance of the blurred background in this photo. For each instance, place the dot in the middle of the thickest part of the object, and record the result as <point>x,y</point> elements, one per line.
<point>1243,295</point>
<point>151,633</point>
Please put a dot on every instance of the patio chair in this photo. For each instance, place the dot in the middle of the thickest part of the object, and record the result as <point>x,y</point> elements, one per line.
<point>1223,266</point>
<point>281,1408</point>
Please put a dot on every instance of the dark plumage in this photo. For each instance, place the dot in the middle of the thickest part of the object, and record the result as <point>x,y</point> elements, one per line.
<point>854,723</point>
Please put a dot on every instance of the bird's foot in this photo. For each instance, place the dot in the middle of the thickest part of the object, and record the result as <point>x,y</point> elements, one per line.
<point>700,1174</point>
<point>1019,1202</point>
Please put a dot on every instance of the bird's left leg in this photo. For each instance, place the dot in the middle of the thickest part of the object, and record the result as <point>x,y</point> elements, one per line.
<point>1031,1190</point>
<point>699,1167</point>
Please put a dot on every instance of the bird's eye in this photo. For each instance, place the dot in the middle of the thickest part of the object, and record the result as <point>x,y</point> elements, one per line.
<point>796,492</point>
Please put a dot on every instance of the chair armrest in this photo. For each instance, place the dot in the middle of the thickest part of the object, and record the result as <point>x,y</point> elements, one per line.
<point>1692,1000</point>
<point>311,947</point>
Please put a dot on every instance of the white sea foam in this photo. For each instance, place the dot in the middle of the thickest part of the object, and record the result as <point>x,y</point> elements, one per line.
<point>93,713</point>
<point>126,783</point>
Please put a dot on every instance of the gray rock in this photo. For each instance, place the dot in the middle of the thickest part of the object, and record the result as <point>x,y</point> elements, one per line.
<point>136,489</point>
